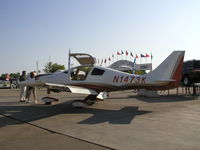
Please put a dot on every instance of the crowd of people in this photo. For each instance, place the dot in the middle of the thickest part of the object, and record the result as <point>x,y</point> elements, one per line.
<point>25,91</point>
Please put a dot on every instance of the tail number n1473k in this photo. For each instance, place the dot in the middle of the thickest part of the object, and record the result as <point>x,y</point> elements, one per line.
<point>129,79</point>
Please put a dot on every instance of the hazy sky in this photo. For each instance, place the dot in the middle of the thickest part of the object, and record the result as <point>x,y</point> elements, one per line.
<point>32,30</point>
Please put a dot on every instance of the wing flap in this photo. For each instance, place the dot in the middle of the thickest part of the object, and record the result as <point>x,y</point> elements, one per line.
<point>80,90</point>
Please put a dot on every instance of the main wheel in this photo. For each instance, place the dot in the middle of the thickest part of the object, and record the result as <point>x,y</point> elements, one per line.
<point>79,104</point>
<point>48,103</point>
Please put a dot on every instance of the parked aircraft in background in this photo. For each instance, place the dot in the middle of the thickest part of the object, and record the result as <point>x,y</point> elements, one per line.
<point>92,80</point>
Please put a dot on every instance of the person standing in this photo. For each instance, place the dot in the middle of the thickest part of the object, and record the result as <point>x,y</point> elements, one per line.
<point>31,89</point>
<point>22,87</point>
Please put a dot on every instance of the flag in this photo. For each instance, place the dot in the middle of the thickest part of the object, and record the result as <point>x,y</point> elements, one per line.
<point>151,56</point>
<point>147,55</point>
<point>126,53</point>
<point>142,55</point>
<point>109,59</point>
<point>105,60</point>
<point>118,53</point>
<point>131,54</point>
<point>136,56</point>
<point>122,52</point>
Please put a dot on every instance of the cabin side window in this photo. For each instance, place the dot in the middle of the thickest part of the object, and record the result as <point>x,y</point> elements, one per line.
<point>97,72</point>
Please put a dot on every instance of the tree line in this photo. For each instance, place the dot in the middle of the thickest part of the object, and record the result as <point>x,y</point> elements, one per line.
<point>50,67</point>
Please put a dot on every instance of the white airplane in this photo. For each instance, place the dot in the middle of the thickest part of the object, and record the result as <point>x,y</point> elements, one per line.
<point>92,80</point>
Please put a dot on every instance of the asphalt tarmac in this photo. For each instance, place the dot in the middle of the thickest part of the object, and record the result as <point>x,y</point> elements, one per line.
<point>124,121</point>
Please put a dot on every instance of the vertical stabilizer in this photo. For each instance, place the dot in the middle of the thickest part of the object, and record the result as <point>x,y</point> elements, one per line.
<point>169,69</point>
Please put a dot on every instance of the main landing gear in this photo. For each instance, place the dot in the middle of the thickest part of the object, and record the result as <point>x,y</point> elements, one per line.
<point>88,101</point>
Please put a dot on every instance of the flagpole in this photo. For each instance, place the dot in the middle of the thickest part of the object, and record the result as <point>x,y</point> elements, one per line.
<point>69,60</point>
<point>37,66</point>
<point>151,65</point>
<point>134,64</point>
<point>146,60</point>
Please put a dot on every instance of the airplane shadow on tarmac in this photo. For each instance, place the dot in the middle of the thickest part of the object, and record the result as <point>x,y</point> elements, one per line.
<point>160,99</point>
<point>122,116</point>
<point>24,113</point>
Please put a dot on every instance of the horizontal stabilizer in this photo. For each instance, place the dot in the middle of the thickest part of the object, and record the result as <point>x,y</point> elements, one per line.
<point>165,80</point>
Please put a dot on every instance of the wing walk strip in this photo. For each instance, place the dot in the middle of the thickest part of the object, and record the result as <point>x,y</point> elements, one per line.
<point>55,132</point>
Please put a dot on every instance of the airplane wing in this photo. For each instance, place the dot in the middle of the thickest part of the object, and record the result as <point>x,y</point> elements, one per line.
<point>72,89</point>
<point>61,87</point>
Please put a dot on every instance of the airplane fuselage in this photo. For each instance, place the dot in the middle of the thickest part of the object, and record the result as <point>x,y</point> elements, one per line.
<point>96,78</point>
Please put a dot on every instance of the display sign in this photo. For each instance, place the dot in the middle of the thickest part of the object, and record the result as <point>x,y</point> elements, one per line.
<point>147,66</point>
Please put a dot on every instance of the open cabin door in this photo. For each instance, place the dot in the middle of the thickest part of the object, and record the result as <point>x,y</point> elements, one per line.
<point>83,59</point>
<point>86,61</point>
